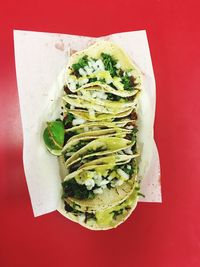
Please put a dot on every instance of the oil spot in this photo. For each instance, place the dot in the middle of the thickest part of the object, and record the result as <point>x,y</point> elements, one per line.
<point>72,51</point>
<point>60,46</point>
<point>159,180</point>
<point>91,42</point>
<point>106,38</point>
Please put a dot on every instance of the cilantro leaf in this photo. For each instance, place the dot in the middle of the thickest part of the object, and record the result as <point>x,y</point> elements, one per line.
<point>80,64</point>
<point>127,82</point>
<point>109,63</point>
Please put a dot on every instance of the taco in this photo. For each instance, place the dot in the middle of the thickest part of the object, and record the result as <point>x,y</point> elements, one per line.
<point>103,63</point>
<point>105,219</point>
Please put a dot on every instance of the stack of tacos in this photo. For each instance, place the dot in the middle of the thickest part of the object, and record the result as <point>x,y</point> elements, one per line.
<point>96,137</point>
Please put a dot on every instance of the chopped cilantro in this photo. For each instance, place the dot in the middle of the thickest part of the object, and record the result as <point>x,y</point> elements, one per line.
<point>68,208</point>
<point>73,209</point>
<point>68,135</point>
<point>134,134</point>
<point>72,189</point>
<point>101,148</point>
<point>109,64</point>
<point>80,64</point>
<point>102,80</point>
<point>92,80</point>
<point>127,170</point>
<point>92,158</point>
<point>109,186</point>
<point>135,166</point>
<point>117,212</point>
<point>68,119</point>
<point>127,82</point>
<point>78,146</point>
<point>137,188</point>
<point>113,86</point>
<point>66,157</point>
<point>89,216</point>
<point>113,97</point>
<point>67,105</point>
<point>140,194</point>
<point>75,166</point>
<point>91,151</point>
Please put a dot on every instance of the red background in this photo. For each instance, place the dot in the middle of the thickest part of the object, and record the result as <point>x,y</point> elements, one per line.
<point>157,235</point>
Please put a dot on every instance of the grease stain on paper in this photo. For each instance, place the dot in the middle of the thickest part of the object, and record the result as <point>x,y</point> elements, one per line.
<point>60,45</point>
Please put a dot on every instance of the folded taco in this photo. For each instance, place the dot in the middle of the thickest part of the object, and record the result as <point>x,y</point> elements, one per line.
<point>103,63</point>
<point>105,219</point>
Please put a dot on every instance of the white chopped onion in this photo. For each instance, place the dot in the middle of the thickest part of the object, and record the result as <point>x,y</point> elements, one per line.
<point>104,186</point>
<point>82,72</point>
<point>101,94</point>
<point>97,178</point>
<point>78,121</point>
<point>93,94</point>
<point>98,191</point>
<point>110,177</point>
<point>120,152</point>
<point>89,184</point>
<point>123,174</point>
<point>118,65</point>
<point>129,127</point>
<point>129,74</point>
<point>119,182</point>
<point>69,153</point>
<point>128,151</point>
<point>71,80</point>
<point>108,81</point>
<point>86,129</point>
<point>88,70</point>
<point>83,81</point>
<point>93,64</point>
<point>91,113</point>
<point>104,182</point>
<point>81,218</point>
<point>99,64</point>
<point>72,85</point>
<point>90,65</point>
<point>129,167</point>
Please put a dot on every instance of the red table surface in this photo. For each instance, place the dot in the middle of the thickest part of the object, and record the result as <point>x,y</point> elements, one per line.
<point>157,235</point>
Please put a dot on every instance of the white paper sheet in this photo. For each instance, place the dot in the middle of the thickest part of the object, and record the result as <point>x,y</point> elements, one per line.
<point>40,59</point>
